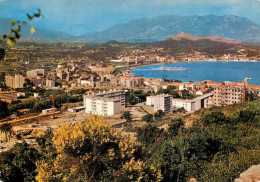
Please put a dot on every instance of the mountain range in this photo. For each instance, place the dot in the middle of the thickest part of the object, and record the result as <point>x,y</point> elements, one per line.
<point>161,28</point>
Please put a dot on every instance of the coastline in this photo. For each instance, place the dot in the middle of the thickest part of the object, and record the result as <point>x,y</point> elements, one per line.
<point>221,61</point>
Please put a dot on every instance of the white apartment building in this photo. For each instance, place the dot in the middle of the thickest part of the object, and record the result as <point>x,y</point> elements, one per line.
<point>102,106</point>
<point>163,102</point>
<point>106,103</point>
<point>192,105</point>
<point>114,94</point>
<point>150,100</point>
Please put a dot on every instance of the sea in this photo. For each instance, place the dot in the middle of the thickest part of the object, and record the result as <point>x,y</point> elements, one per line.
<point>205,70</point>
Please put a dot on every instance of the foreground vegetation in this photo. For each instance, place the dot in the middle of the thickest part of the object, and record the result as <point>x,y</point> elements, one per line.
<point>216,148</point>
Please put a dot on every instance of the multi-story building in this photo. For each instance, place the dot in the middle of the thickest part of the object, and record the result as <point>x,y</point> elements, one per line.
<point>35,73</point>
<point>195,104</point>
<point>233,93</point>
<point>61,75</point>
<point>39,80</point>
<point>163,102</point>
<point>114,94</point>
<point>102,106</point>
<point>131,81</point>
<point>16,81</point>
<point>150,100</point>
<point>106,103</point>
<point>50,83</point>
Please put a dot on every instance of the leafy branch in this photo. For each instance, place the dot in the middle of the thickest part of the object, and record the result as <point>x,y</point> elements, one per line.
<point>15,32</point>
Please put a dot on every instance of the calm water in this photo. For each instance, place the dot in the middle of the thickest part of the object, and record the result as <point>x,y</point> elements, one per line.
<point>199,71</point>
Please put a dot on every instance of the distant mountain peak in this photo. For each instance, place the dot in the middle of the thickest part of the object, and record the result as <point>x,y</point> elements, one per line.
<point>182,35</point>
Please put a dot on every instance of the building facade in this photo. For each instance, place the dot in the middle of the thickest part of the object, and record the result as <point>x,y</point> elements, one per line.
<point>163,102</point>
<point>50,83</point>
<point>102,106</point>
<point>233,93</point>
<point>16,81</point>
<point>105,103</point>
<point>195,104</point>
<point>36,72</point>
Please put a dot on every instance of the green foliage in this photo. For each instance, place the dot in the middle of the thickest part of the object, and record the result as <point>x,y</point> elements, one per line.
<point>248,115</point>
<point>46,147</point>
<point>215,116</point>
<point>2,74</point>
<point>7,129</point>
<point>175,127</point>
<point>149,134</point>
<point>19,164</point>
<point>159,114</point>
<point>182,158</point>
<point>134,97</point>
<point>3,110</point>
<point>148,118</point>
<point>127,116</point>
<point>169,90</point>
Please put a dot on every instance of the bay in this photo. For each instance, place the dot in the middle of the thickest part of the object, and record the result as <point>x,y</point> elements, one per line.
<point>206,70</point>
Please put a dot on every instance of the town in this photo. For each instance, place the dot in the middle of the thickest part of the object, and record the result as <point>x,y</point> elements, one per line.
<point>109,88</point>
<point>122,91</point>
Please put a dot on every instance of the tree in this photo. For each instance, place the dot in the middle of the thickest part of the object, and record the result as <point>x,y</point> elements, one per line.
<point>3,109</point>
<point>214,116</point>
<point>131,99</point>
<point>127,116</point>
<point>175,126</point>
<point>182,158</point>
<point>6,128</point>
<point>148,118</point>
<point>18,165</point>
<point>92,151</point>
<point>247,115</point>
<point>148,134</point>
<point>159,114</point>
<point>169,90</point>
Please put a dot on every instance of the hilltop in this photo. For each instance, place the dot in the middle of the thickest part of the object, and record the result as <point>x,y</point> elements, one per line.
<point>182,35</point>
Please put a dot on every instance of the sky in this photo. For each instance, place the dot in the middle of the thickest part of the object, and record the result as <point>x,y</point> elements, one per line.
<point>78,17</point>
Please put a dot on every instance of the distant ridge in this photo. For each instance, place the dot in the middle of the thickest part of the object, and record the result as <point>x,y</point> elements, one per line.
<point>233,29</point>
<point>183,35</point>
<point>163,27</point>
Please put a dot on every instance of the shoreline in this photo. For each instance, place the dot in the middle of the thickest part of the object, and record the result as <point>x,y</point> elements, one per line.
<point>220,61</point>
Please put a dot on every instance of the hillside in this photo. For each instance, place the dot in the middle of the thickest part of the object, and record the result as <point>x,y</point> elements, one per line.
<point>210,47</point>
<point>183,35</point>
<point>161,28</point>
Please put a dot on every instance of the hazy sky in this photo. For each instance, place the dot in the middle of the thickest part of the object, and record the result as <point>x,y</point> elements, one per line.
<point>82,16</point>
